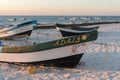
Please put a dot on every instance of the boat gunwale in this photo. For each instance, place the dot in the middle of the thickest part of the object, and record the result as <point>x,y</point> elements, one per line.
<point>50,44</point>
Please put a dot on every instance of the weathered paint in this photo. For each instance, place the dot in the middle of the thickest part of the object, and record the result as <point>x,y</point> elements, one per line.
<point>84,37</point>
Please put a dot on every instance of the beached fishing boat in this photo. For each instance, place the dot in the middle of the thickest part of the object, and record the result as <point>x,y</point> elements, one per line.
<point>73,30</point>
<point>78,28</point>
<point>44,26</point>
<point>16,31</point>
<point>62,52</point>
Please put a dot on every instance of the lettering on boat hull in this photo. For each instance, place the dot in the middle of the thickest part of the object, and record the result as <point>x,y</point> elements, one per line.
<point>72,40</point>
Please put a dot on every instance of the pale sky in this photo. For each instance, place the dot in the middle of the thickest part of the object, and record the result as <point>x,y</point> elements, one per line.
<point>59,7</point>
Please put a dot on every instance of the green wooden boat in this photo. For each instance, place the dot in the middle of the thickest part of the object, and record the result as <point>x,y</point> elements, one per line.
<point>78,28</point>
<point>68,30</point>
<point>61,52</point>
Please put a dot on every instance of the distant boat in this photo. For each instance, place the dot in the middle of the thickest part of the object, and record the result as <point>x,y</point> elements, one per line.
<point>20,30</point>
<point>73,19</point>
<point>22,19</point>
<point>98,18</point>
<point>12,19</point>
<point>74,30</point>
<point>60,52</point>
<point>85,18</point>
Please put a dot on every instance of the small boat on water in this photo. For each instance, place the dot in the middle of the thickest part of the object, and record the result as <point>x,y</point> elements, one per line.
<point>12,19</point>
<point>62,52</point>
<point>16,31</point>
<point>74,30</point>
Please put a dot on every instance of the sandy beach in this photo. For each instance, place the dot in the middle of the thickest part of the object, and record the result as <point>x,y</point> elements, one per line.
<point>100,62</point>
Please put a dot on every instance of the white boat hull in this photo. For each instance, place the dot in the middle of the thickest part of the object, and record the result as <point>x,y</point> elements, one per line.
<point>15,31</point>
<point>42,55</point>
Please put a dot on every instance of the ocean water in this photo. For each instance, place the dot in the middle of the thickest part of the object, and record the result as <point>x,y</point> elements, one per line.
<point>8,20</point>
